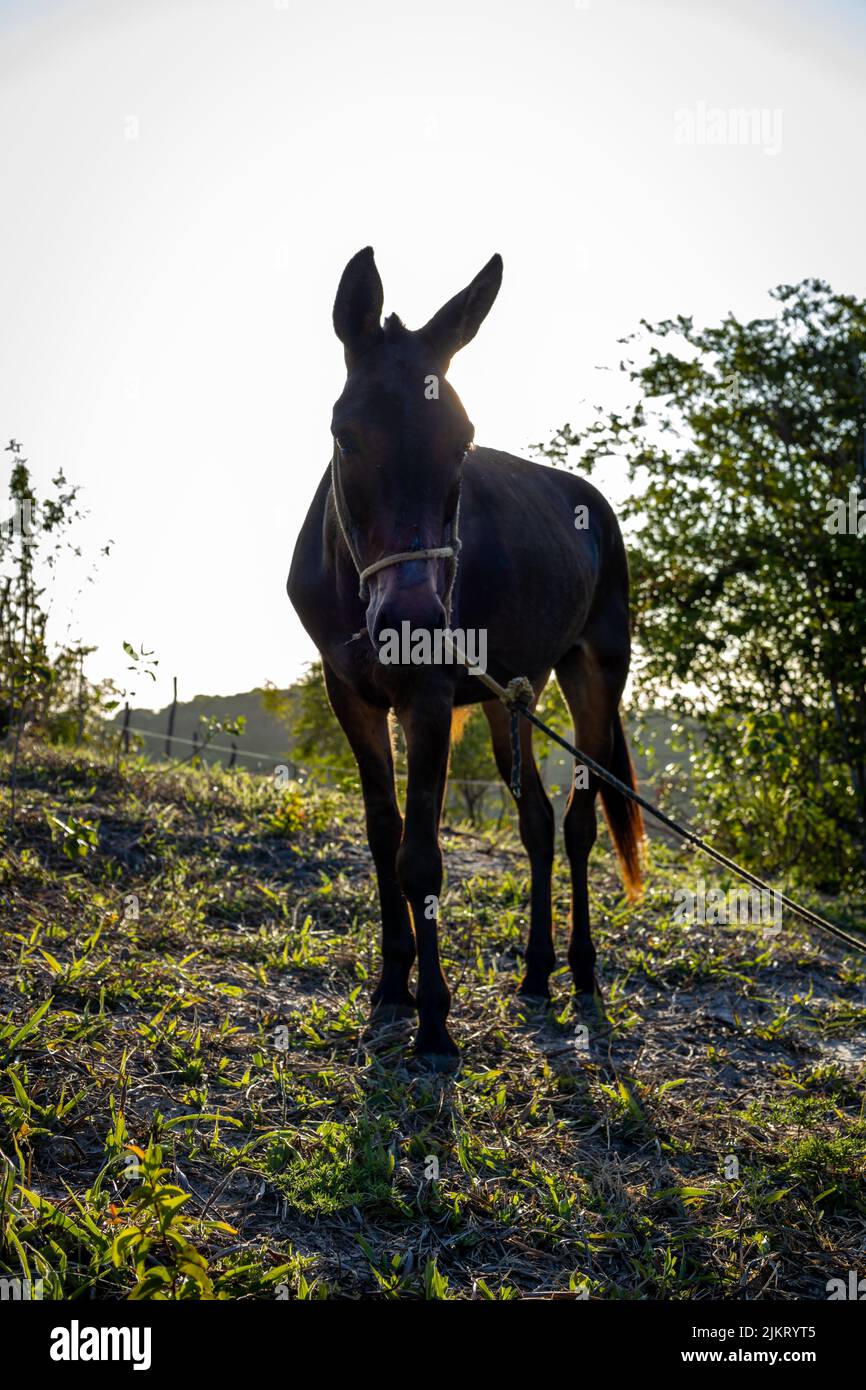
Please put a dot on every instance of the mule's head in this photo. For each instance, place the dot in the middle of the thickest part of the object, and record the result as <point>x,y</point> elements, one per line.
<point>401,435</point>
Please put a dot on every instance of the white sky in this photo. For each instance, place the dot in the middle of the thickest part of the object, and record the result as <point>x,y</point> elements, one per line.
<point>166,299</point>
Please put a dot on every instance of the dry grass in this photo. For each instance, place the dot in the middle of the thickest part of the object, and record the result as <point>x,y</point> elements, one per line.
<point>194,1110</point>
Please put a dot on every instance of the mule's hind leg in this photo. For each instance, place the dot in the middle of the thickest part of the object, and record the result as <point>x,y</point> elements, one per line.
<point>537,824</point>
<point>592,690</point>
<point>366,728</point>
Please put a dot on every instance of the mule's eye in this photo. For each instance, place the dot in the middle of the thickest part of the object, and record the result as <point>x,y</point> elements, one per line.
<point>346,444</point>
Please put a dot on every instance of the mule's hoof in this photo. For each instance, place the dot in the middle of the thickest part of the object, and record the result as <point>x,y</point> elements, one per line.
<point>590,1004</point>
<point>383,1014</point>
<point>533,995</point>
<point>442,1062</point>
<point>389,1025</point>
<point>435,1048</point>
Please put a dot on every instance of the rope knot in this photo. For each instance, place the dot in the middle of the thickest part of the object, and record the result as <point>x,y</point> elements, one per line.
<point>519,691</point>
<point>518,694</point>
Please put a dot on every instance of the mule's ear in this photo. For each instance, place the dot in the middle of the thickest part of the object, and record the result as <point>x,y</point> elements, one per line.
<point>459,320</point>
<point>358,306</point>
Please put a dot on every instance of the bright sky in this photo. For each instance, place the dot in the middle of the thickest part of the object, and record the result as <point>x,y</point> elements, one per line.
<point>183,182</point>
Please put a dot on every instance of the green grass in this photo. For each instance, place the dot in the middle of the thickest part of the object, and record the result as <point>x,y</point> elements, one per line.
<point>190,1106</point>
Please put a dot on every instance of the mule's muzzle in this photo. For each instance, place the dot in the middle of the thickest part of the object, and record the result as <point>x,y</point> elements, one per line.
<point>392,605</point>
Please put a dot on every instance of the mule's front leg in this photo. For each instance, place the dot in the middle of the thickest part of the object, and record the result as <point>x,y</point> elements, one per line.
<point>427,725</point>
<point>367,731</point>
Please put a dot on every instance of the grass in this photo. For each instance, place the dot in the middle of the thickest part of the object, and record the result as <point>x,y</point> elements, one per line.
<point>190,1108</point>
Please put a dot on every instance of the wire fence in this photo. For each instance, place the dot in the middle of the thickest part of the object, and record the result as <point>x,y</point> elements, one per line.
<point>474,793</point>
<point>555,772</point>
<point>475,807</point>
<point>202,746</point>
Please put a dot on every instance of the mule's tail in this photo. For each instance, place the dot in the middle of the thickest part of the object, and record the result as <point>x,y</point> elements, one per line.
<point>624,816</point>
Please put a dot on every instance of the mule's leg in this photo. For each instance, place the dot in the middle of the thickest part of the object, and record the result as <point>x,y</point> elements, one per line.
<point>592,689</point>
<point>536,819</point>
<point>426,723</point>
<point>366,728</point>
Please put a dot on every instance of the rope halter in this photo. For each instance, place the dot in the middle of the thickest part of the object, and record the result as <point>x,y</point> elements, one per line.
<point>449,552</point>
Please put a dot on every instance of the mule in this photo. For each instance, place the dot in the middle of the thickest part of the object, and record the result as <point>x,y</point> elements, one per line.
<point>379,548</point>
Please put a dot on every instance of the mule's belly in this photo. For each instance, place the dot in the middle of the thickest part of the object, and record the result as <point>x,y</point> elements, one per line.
<point>525,617</point>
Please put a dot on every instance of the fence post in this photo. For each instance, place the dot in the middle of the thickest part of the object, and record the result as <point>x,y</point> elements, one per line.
<point>126,727</point>
<point>79,733</point>
<point>171,715</point>
<point>234,754</point>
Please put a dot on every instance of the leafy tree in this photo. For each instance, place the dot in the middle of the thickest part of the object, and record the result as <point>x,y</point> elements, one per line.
<point>746,446</point>
<point>319,741</point>
<point>472,764</point>
<point>42,683</point>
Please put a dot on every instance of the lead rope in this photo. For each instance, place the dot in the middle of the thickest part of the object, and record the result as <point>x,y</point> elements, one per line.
<point>519,694</point>
<point>515,752</point>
